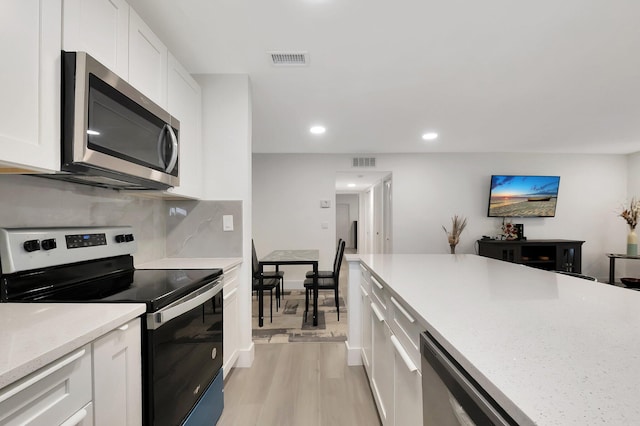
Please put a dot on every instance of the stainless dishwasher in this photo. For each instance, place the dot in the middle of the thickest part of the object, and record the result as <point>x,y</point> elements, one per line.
<point>450,396</point>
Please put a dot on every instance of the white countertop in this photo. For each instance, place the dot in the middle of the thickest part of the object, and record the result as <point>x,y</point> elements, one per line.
<point>224,263</point>
<point>34,334</point>
<point>551,349</point>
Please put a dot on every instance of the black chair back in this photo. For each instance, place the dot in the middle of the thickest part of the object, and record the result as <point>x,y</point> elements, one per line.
<point>335,258</point>
<point>255,265</point>
<point>338,263</point>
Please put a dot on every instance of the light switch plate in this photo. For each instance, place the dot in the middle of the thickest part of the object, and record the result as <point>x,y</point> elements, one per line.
<point>227,222</point>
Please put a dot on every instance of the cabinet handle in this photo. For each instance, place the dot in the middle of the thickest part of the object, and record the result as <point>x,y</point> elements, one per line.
<point>376,311</point>
<point>231,293</point>
<point>124,327</point>
<point>380,286</point>
<point>403,354</point>
<point>403,310</point>
<point>57,366</point>
<point>364,292</point>
<point>76,418</point>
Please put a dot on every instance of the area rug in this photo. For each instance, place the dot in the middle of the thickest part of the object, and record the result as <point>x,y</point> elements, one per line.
<point>288,321</point>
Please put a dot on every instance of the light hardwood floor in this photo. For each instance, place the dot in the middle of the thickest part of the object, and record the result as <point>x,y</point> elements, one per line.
<point>305,384</point>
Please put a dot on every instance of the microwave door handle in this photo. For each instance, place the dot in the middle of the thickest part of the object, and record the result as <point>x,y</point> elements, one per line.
<point>174,148</point>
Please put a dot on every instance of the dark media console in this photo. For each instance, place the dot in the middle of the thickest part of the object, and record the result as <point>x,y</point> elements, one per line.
<point>552,255</point>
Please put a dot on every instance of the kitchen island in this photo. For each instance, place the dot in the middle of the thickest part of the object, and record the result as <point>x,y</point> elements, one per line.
<point>549,348</point>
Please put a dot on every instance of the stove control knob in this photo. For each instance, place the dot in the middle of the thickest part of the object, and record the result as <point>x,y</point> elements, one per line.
<point>31,245</point>
<point>128,237</point>
<point>120,238</point>
<point>49,244</point>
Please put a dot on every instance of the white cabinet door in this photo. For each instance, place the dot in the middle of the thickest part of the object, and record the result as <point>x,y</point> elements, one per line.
<point>367,353</point>
<point>382,366</point>
<point>117,377</point>
<point>30,34</point>
<point>100,28</point>
<point>147,61</point>
<point>231,324</point>
<point>408,388</point>
<point>185,104</point>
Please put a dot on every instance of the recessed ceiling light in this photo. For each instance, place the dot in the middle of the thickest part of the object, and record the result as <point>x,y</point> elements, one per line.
<point>317,130</point>
<point>351,185</point>
<point>430,136</point>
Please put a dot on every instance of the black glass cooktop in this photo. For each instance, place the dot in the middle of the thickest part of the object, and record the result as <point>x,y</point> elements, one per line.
<point>159,288</point>
<point>109,280</point>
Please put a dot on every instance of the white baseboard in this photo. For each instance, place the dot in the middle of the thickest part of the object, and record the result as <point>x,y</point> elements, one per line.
<point>354,356</point>
<point>246,357</point>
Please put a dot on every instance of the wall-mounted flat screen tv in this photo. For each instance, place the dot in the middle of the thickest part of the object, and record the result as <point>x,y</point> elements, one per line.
<point>523,196</point>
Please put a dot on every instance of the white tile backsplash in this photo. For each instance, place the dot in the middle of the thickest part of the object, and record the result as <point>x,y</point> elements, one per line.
<point>194,229</point>
<point>163,228</point>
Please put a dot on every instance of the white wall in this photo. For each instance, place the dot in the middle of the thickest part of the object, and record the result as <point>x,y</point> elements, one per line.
<point>287,190</point>
<point>430,188</point>
<point>226,132</point>
<point>632,267</point>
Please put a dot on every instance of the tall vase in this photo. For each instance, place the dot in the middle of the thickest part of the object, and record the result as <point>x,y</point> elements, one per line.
<point>632,243</point>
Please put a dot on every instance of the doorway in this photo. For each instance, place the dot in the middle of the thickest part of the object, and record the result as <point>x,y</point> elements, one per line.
<point>364,211</point>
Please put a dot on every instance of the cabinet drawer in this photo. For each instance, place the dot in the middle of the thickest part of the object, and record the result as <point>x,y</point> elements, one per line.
<point>379,294</point>
<point>51,395</point>
<point>366,278</point>
<point>406,328</point>
<point>231,278</point>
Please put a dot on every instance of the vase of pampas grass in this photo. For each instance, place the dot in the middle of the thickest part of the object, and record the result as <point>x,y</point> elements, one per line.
<point>458,223</point>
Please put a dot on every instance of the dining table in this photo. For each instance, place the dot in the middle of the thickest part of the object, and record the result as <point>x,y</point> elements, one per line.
<point>278,258</point>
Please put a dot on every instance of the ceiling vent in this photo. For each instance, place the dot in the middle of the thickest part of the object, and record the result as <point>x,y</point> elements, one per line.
<point>289,59</point>
<point>364,162</point>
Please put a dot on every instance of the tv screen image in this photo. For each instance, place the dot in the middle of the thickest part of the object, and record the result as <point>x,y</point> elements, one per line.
<point>523,196</point>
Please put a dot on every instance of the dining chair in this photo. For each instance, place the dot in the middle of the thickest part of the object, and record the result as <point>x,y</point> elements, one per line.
<point>278,275</point>
<point>327,283</point>
<point>267,284</point>
<point>327,274</point>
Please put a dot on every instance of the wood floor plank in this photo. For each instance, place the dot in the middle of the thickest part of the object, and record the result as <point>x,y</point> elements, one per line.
<point>294,384</point>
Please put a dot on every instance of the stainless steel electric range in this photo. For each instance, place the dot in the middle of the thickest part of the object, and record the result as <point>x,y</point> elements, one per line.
<point>182,329</point>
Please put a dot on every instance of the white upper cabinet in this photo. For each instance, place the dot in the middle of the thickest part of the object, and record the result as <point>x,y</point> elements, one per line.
<point>100,28</point>
<point>30,101</point>
<point>185,104</point>
<point>147,61</point>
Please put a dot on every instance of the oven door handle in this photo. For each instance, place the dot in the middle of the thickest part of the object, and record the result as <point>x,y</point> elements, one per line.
<point>158,319</point>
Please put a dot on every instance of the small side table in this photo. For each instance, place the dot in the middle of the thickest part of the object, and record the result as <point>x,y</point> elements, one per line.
<point>612,264</point>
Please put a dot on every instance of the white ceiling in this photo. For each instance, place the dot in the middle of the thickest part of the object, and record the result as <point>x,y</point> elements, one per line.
<point>488,76</point>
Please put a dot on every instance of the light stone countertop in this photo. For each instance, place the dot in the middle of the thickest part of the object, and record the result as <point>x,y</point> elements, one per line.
<point>33,335</point>
<point>551,349</point>
<point>225,263</point>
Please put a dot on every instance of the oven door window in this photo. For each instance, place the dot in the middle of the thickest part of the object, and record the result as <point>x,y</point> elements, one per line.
<point>115,121</point>
<point>185,355</point>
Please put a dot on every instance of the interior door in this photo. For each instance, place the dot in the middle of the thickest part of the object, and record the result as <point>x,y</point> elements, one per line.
<point>386,216</point>
<point>343,223</point>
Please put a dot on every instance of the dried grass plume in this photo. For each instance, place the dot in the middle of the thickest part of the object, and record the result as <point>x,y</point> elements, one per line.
<point>458,223</point>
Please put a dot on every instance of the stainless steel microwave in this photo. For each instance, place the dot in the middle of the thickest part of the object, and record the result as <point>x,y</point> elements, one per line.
<point>112,135</point>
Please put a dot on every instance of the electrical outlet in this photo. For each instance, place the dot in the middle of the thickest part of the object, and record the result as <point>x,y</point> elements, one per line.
<point>325,204</point>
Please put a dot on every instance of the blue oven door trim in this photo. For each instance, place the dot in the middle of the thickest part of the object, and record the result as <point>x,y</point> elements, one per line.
<point>209,408</point>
